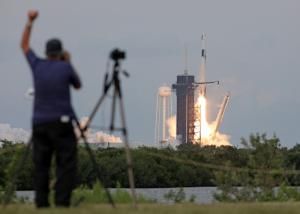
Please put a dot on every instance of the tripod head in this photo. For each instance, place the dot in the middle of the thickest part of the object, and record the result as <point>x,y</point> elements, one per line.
<point>116,55</point>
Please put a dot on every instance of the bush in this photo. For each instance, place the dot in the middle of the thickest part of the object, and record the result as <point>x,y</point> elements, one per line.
<point>98,195</point>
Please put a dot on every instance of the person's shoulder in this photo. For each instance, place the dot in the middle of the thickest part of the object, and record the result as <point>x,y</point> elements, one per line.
<point>63,65</point>
<point>59,63</point>
<point>30,53</point>
<point>32,58</point>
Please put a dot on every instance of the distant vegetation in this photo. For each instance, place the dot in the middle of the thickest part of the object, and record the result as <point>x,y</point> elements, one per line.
<point>249,173</point>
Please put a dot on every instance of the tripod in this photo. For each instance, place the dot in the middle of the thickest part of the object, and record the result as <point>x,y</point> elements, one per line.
<point>115,84</point>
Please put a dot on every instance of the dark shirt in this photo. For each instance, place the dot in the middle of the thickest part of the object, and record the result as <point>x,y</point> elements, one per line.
<point>52,80</point>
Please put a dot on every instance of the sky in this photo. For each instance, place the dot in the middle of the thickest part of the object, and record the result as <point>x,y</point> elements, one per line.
<point>252,49</point>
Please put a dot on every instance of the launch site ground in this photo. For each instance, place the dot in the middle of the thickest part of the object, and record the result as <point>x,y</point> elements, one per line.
<point>239,208</point>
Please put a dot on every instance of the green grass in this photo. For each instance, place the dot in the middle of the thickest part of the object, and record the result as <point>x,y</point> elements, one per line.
<point>97,195</point>
<point>239,208</point>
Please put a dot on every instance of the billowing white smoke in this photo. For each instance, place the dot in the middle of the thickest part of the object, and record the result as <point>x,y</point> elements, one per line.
<point>13,134</point>
<point>98,136</point>
<point>101,137</point>
<point>21,135</point>
<point>171,123</point>
<point>218,139</point>
<point>206,133</point>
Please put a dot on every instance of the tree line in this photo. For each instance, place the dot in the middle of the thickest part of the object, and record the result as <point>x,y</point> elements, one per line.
<point>259,162</point>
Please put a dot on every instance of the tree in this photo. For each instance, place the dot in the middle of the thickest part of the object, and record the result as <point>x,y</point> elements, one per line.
<point>258,183</point>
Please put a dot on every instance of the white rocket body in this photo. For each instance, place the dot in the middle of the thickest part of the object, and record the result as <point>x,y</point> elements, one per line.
<point>203,66</point>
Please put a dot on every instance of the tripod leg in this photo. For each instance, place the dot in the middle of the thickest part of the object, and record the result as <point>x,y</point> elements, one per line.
<point>113,110</point>
<point>127,150</point>
<point>93,160</point>
<point>11,186</point>
<point>92,115</point>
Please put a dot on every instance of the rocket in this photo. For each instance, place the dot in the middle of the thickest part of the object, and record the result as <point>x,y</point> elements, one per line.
<point>202,78</point>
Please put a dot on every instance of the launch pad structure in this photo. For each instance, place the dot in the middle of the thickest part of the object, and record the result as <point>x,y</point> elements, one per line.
<point>192,126</point>
<point>185,118</point>
<point>185,88</point>
<point>189,112</point>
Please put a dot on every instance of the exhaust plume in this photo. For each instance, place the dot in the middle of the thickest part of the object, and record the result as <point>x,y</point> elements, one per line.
<point>171,123</point>
<point>205,132</point>
<point>97,136</point>
<point>13,134</point>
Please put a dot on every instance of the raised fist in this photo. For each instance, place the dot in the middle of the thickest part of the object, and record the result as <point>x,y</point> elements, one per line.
<point>32,15</point>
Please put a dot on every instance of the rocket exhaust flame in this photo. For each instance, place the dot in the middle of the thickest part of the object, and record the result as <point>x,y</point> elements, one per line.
<point>205,132</point>
<point>202,129</point>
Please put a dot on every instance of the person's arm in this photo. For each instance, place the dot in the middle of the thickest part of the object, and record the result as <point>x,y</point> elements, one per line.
<point>74,79</point>
<point>32,15</point>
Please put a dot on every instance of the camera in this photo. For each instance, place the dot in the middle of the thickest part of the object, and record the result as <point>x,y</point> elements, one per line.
<point>117,54</point>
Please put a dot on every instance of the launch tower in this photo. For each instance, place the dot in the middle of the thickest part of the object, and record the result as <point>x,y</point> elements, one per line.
<point>184,88</point>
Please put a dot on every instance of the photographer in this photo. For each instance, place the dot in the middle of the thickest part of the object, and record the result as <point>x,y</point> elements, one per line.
<point>52,118</point>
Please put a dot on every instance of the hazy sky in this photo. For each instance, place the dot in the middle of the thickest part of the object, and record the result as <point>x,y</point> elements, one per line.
<point>252,48</point>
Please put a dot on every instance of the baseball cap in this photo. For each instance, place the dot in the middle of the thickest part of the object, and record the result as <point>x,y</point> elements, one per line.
<point>54,47</point>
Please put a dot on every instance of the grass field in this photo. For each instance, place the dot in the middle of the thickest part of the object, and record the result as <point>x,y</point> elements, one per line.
<point>251,208</point>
